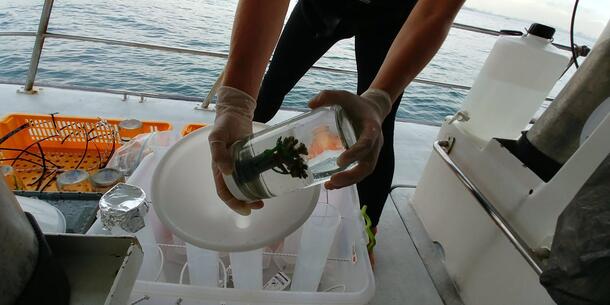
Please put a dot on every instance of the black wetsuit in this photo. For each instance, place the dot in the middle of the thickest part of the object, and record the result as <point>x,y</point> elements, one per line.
<point>313,27</point>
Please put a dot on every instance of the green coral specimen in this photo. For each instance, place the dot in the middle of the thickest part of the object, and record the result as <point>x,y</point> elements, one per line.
<point>284,158</point>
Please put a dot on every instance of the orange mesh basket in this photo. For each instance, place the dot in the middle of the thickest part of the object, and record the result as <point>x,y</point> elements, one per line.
<point>191,127</point>
<point>65,142</point>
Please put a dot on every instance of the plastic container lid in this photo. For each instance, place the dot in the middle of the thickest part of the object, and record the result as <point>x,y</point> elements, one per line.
<point>73,176</point>
<point>48,217</point>
<point>185,200</point>
<point>130,124</point>
<point>233,188</point>
<point>106,177</point>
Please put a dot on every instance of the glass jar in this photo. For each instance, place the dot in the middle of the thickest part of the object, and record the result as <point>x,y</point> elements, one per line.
<point>10,176</point>
<point>298,153</point>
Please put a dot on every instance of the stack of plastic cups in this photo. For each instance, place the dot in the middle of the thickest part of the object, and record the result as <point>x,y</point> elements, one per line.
<point>142,177</point>
<point>316,241</point>
<point>247,269</point>
<point>152,264</point>
<point>202,266</point>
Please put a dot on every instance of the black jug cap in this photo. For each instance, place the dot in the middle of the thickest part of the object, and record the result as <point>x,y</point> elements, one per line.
<point>541,30</point>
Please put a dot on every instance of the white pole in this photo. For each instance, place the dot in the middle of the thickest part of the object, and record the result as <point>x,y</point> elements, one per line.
<point>18,247</point>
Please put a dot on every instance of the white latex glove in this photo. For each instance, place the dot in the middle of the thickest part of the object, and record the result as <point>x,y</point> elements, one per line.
<point>366,112</point>
<point>234,112</point>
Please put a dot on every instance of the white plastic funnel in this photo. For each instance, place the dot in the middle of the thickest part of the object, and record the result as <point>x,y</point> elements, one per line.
<point>184,197</point>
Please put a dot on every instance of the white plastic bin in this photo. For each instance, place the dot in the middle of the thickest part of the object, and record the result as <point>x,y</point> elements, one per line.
<point>347,274</point>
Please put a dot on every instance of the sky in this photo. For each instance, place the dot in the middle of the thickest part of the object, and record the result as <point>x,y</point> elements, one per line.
<point>591,17</point>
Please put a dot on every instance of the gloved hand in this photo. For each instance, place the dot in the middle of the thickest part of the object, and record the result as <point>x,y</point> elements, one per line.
<point>366,112</point>
<point>234,112</point>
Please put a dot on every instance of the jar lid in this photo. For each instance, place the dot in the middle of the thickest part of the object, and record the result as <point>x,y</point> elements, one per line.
<point>106,177</point>
<point>73,176</point>
<point>130,124</point>
<point>234,189</point>
<point>349,135</point>
<point>123,206</point>
<point>541,30</point>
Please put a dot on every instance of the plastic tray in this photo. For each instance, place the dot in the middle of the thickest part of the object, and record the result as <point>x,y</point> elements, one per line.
<point>191,127</point>
<point>67,142</point>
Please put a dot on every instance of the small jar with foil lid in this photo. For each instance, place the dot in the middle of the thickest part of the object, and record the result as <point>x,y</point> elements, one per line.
<point>74,180</point>
<point>106,178</point>
<point>123,207</point>
<point>10,176</point>
<point>123,211</point>
<point>129,129</point>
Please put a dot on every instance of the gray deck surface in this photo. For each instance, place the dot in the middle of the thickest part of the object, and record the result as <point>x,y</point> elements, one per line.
<point>401,275</point>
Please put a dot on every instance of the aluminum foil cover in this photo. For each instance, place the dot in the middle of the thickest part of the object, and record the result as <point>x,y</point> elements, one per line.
<point>124,206</point>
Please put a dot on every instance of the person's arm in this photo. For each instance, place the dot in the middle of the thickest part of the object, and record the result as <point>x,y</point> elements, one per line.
<point>256,30</point>
<point>419,39</point>
<point>417,42</point>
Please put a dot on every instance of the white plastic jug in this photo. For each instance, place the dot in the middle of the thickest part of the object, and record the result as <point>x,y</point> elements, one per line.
<point>517,76</point>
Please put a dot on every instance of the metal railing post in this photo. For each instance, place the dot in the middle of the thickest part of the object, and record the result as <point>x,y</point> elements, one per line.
<point>38,44</point>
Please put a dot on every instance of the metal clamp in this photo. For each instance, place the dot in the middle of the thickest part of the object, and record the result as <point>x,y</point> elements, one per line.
<point>503,225</point>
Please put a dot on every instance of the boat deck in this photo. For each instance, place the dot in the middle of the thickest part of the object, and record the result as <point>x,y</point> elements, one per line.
<point>407,270</point>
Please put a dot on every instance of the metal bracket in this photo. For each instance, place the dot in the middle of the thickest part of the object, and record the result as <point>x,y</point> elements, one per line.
<point>35,90</point>
<point>447,145</point>
<point>460,116</point>
<point>203,107</point>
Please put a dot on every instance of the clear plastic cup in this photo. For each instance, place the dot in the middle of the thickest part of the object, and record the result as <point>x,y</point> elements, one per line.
<point>316,241</point>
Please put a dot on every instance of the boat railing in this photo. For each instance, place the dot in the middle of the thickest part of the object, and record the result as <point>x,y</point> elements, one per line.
<point>529,255</point>
<point>42,34</point>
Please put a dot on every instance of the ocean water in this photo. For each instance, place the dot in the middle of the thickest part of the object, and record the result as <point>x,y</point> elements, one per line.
<point>206,25</point>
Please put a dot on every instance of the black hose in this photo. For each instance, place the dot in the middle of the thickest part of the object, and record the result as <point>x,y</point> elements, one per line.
<point>14,131</point>
<point>572,45</point>
<point>26,152</point>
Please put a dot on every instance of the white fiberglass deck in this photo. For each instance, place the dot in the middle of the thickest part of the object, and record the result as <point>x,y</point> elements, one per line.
<point>401,276</point>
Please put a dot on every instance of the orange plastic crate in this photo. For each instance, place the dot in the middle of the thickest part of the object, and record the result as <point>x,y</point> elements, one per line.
<point>191,127</point>
<point>63,142</point>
